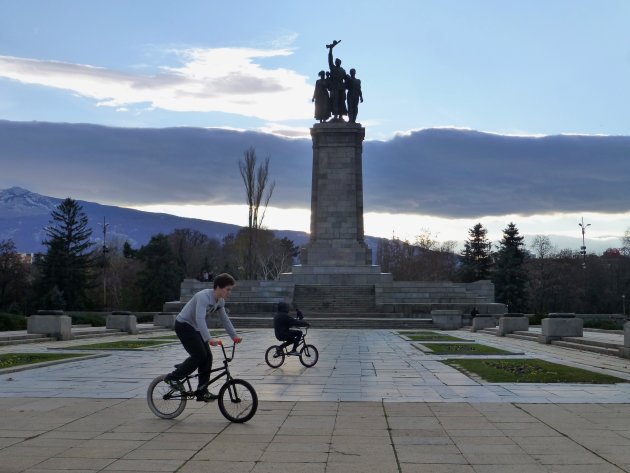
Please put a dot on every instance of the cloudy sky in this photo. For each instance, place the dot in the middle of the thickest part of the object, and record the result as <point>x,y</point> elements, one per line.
<point>529,69</point>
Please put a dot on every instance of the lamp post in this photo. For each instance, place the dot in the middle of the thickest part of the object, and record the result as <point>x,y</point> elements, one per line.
<point>583,247</point>
<point>623,305</point>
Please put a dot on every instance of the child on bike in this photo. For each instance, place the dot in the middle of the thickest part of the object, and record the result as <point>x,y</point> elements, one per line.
<point>192,330</point>
<point>282,323</point>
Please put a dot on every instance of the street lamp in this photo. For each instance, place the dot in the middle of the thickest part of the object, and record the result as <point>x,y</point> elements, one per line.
<point>623,305</point>
<point>583,247</point>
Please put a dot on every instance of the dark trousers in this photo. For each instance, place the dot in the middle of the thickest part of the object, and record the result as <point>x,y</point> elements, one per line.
<point>294,337</point>
<point>200,358</point>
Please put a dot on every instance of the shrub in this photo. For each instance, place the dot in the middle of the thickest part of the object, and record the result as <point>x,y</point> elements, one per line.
<point>94,320</point>
<point>604,324</point>
<point>12,322</point>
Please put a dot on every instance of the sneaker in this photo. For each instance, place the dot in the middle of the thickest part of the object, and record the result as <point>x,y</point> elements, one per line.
<point>206,396</point>
<point>293,352</point>
<point>174,383</point>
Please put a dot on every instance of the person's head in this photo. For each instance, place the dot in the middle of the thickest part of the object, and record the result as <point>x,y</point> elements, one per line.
<point>337,62</point>
<point>283,307</point>
<point>353,72</point>
<point>322,74</point>
<point>223,285</point>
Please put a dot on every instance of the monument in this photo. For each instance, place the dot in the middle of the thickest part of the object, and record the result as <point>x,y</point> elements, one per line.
<point>337,252</point>
<point>336,274</point>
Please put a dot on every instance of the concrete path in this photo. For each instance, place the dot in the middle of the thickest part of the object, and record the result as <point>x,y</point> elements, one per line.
<point>373,403</point>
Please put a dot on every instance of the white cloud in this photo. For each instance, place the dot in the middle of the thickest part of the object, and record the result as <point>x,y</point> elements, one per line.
<point>210,80</point>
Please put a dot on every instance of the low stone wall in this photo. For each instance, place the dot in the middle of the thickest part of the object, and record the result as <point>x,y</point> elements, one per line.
<point>446,319</point>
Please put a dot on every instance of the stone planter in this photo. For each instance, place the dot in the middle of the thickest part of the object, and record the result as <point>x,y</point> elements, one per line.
<point>164,319</point>
<point>483,321</point>
<point>559,325</point>
<point>53,323</point>
<point>123,321</point>
<point>510,323</point>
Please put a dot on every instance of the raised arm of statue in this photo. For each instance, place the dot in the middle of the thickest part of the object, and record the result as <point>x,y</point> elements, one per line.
<point>330,48</point>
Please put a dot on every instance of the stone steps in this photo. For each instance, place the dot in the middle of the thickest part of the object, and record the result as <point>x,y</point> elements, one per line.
<point>587,347</point>
<point>6,340</point>
<point>575,343</point>
<point>334,298</point>
<point>339,323</point>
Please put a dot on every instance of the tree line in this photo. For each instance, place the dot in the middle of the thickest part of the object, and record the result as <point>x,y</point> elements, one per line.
<point>535,279</point>
<point>74,273</point>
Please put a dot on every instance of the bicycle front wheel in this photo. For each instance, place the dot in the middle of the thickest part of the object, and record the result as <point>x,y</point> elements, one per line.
<point>274,356</point>
<point>164,401</point>
<point>238,401</point>
<point>309,355</point>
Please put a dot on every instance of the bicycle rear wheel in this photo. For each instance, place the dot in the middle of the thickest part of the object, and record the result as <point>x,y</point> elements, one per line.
<point>164,401</point>
<point>272,358</point>
<point>309,355</point>
<point>238,401</point>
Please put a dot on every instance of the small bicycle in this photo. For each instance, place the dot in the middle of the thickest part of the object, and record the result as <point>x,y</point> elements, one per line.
<point>237,399</point>
<point>274,356</point>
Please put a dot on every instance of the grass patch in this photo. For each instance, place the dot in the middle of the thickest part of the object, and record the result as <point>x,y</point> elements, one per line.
<point>530,371</point>
<point>120,345</point>
<point>420,336</point>
<point>464,349</point>
<point>9,360</point>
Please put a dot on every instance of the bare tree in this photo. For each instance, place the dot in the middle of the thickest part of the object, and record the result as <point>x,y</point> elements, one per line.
<point>258,190</point>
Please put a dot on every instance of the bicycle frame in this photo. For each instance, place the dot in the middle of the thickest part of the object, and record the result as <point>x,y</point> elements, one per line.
<point>224,372</point>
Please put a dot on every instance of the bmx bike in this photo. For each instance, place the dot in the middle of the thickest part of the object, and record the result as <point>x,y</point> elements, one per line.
<point>276,354</point>
<point>237,398</point>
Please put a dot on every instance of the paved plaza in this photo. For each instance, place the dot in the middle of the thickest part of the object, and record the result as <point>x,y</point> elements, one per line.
<point>373,403</point>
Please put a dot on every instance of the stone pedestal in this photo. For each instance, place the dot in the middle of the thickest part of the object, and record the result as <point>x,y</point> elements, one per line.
<point>447,319</point>
<point>164,319</point>
<point>124,321</point>
<point>510,323</point>
<point>625,350</point>
<point>337,237</point>
<point>53,323</point>
<point>559,325</point>
<point>483,321</point>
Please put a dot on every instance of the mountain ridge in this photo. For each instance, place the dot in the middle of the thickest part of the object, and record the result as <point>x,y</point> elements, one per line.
<point>25,214</point>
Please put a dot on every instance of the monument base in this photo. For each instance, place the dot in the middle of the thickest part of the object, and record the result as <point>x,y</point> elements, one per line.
<point>322,275</point>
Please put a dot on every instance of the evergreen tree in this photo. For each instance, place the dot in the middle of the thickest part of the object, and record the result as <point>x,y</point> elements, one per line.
<point>13,275</point>
<point>477,256</point>
<point>66,266</point>
<point>159,281</point>
<point>510,277</point>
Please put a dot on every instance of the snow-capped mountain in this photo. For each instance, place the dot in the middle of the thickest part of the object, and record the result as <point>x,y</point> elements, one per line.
<point>25,214</point>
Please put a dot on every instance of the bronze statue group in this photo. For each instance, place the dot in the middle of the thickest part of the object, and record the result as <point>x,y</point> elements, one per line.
<point>330,92</point>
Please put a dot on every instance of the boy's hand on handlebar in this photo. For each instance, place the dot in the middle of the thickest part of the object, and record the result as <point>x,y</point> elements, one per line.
<point>214,342</point>
<point>237,339</point>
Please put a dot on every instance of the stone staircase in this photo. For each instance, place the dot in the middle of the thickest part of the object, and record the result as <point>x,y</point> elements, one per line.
<point>337,321</point>
<point>337,299</point>
<point>332,307</point>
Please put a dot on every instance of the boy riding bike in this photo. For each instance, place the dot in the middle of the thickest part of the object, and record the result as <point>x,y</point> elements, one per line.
<point>192,330</point>
<point>282,323</point>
